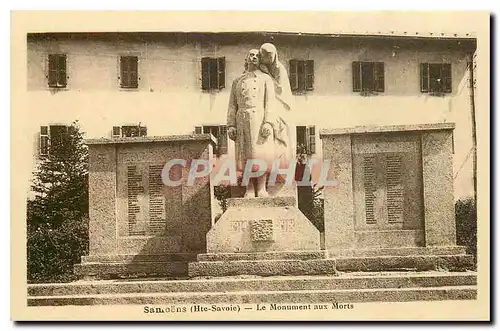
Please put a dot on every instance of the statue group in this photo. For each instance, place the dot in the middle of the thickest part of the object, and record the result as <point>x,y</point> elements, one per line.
<point>257,122</point>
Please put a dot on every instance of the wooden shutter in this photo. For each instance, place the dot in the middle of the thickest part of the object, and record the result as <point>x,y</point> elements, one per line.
<point>309,74</point>
<point>197,129</point>
<point>134,71</point>
<point>222,140</point>
<point>311,139</point>
<point>221,72</point>
<point>205,73</point>
<point>394,186</point>
<point>424,77</point>
<point>369,187</point>
<point>378,76</point>
<point>44,140</point>
<point>446,76</point>
<point>129,71</point>
<point>294,81</point>
<point>61,70</point>
<point>57,70</point>
<point>52,74</point>
<point>116,132</point>
<point>356,76</point>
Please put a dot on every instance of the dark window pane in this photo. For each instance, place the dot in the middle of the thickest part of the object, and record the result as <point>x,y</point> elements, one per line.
<point>301,139</point>
<point>435,77</point>
<point>356,77</point>
<point>367,76</point>
<point>301,71</point>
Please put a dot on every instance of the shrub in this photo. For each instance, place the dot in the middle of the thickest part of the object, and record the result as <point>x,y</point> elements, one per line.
<point>466,225</point>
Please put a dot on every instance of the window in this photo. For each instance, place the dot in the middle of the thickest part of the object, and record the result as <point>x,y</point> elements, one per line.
<point>368,77</point>
<point>129,131</point>
<point>129,72</point>
<point>219,132</point>
<point>44,141</point>
<point>306,140</point>
<point>57,71</point>
<point>213,73</point>
<point>301,75</point>
<point>435,78</point>
<point>52,138</point>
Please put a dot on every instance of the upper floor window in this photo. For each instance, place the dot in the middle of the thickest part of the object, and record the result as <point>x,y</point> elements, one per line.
<point>368,76</point>
<point>129,77</point>
<point>213,73</point>
<point>435,77</point>
<point>301,75</point>
<point>57,71</point>
<point>219,132</point>
<point>129,131</point>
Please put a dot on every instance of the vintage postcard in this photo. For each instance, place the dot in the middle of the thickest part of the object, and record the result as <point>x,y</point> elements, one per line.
<point>233,165</point>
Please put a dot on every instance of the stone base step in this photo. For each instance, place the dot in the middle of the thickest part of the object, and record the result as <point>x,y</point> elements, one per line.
<point>277,297</point>
<point>253,283</point>
<point>330,266</point>
<point>106,270</point>
<point>399,251</point>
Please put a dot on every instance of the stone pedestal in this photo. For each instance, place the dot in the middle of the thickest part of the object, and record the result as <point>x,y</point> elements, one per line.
<point>138,225</point>
<point>395,190</point>
<point>262,236</point>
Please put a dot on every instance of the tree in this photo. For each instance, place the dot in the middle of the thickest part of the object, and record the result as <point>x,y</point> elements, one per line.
<point>57,216</point>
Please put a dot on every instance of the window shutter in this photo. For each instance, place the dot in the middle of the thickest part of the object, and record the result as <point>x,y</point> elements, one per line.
<point>134,72</point>
<point>446,76</point>
<point>379,76</point>
<point>124,80</point>
<point>44,140</point>
<point>307,140</point>
<point>309,72</point>
<point>312,139</point>
<point>222,140</point>
<point>294,82</point>
<point>424,77</point>
<point>129,71</point>
<point>205,73</point>
<point>61,70</point>
<point>221,72</point>
<point>356,76</point>
<point>369,187</point>
<point>52,74</point>
<point>116,132</point>
<point>197,129</point>
<point>394,186</point>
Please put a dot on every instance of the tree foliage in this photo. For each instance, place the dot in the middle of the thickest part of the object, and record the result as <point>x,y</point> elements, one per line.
<point>57,216</point>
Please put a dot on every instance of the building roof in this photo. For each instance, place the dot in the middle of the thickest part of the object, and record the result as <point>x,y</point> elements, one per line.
<point>449,25</point>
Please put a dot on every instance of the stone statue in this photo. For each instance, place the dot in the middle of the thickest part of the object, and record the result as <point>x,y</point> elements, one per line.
<point>256,123</point>
<point>250,121</point>
<point>270,64</point>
